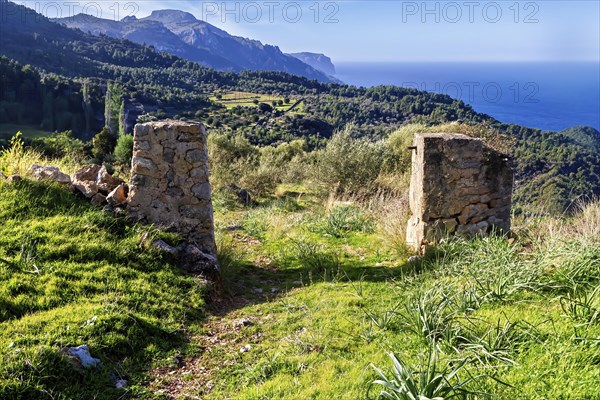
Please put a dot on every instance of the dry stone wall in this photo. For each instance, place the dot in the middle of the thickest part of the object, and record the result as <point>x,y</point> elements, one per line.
<point>169,183</point>
<point>458,186</point>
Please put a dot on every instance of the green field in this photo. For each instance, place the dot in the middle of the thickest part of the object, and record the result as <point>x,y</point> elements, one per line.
<point>247,99</point>
<point>29,132</point>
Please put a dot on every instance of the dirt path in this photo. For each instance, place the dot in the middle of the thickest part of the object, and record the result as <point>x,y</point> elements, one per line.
<point>228,333</point>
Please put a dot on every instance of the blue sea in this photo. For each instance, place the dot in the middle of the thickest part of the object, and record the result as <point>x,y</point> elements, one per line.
<point>545,95</point>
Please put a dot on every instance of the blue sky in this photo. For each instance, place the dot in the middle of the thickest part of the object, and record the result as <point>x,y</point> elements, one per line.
<point>391,30</point>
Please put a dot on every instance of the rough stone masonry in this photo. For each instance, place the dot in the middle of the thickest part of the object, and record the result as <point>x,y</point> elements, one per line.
<point>169,183</point>
<point>458,186</point>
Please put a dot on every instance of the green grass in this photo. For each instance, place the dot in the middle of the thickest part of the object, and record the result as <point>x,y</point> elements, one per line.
<point>327,295</point>
<point>246,99</point>
<point>72,275</point>
<point>29,132</point>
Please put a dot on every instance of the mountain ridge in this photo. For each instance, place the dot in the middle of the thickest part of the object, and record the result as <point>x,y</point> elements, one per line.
<point>181,34</point>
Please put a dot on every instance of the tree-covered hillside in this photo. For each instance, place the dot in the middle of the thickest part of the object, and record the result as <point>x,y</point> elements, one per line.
<point>57,79</point>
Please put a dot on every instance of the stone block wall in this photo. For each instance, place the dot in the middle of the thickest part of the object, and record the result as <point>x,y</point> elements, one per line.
<point>458,186</point>
<point>169,180</point>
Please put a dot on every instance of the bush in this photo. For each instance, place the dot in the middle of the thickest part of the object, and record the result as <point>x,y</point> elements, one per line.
<point>124,149</point>
<point>230,157</point>
<point>351,166</point>
<point>59,145</point>
<point>103,144</point>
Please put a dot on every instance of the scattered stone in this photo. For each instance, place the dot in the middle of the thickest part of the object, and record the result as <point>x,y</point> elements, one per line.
<point>106,182</point>
<point>242,194</point>
<point>41,172</point>
<point>274,290</point>
<point>14,178</point>
<point>87,173</point>
<point>246,349</point>
<point>120,211</point>
<point>164,247</point>
<point>296,283</point>
<point>193,259</point>
<point>234,228</point>
<point>258,290</point>
<point>88,188</point>
<point>108,208</point>
<point>242,323</point>
<point>177,360</point>
<point>93,179</point>
<point>413,259</point>
<point>119,195</point>
<point>98,200</point>
<point>82,353</point>
<point>84,180</point>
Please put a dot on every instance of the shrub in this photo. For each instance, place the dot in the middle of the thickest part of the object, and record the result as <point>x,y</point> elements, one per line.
<point>350,165</point>
<point>230,157</point>
<point>103,144</point>
<point>124,149</point>
<point>61,144</point>
<point>17,158</point>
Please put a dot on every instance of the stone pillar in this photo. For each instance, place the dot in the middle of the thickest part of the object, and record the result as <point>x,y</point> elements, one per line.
<point>458,186</point>
<point>169,180</point>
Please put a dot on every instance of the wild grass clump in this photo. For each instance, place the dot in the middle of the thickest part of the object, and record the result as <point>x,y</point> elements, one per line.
<point>230,259</point>
<point>343,218</point>
<point>490,344</point>
<point>315,257</point>
<point>429,380</point>
<point>582,305</point>
<point>429,314</point>
<point>17,158</point>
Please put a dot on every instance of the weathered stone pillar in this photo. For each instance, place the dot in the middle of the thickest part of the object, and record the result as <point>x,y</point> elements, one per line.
<point>458,186</point>
<point>169,183</point>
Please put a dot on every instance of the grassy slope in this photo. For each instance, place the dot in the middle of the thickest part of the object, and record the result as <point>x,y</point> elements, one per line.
<point>72,275</point>
<point>325,292</point>
<point>331,316</point>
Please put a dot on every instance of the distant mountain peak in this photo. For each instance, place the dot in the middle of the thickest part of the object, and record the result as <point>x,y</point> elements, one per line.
<point>172,16</point>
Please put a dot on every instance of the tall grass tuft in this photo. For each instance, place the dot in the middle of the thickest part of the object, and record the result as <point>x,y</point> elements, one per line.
<point>17,158</point>
<point>430,315</point>
<point>230,260</point>
<point>429,382</point>
<point>315,257</point>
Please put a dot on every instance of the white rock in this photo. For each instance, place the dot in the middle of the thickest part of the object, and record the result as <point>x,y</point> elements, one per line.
<point>246,349</point>
<point>83,354</point>
<point>41,172</point>
<point>165,247</point>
